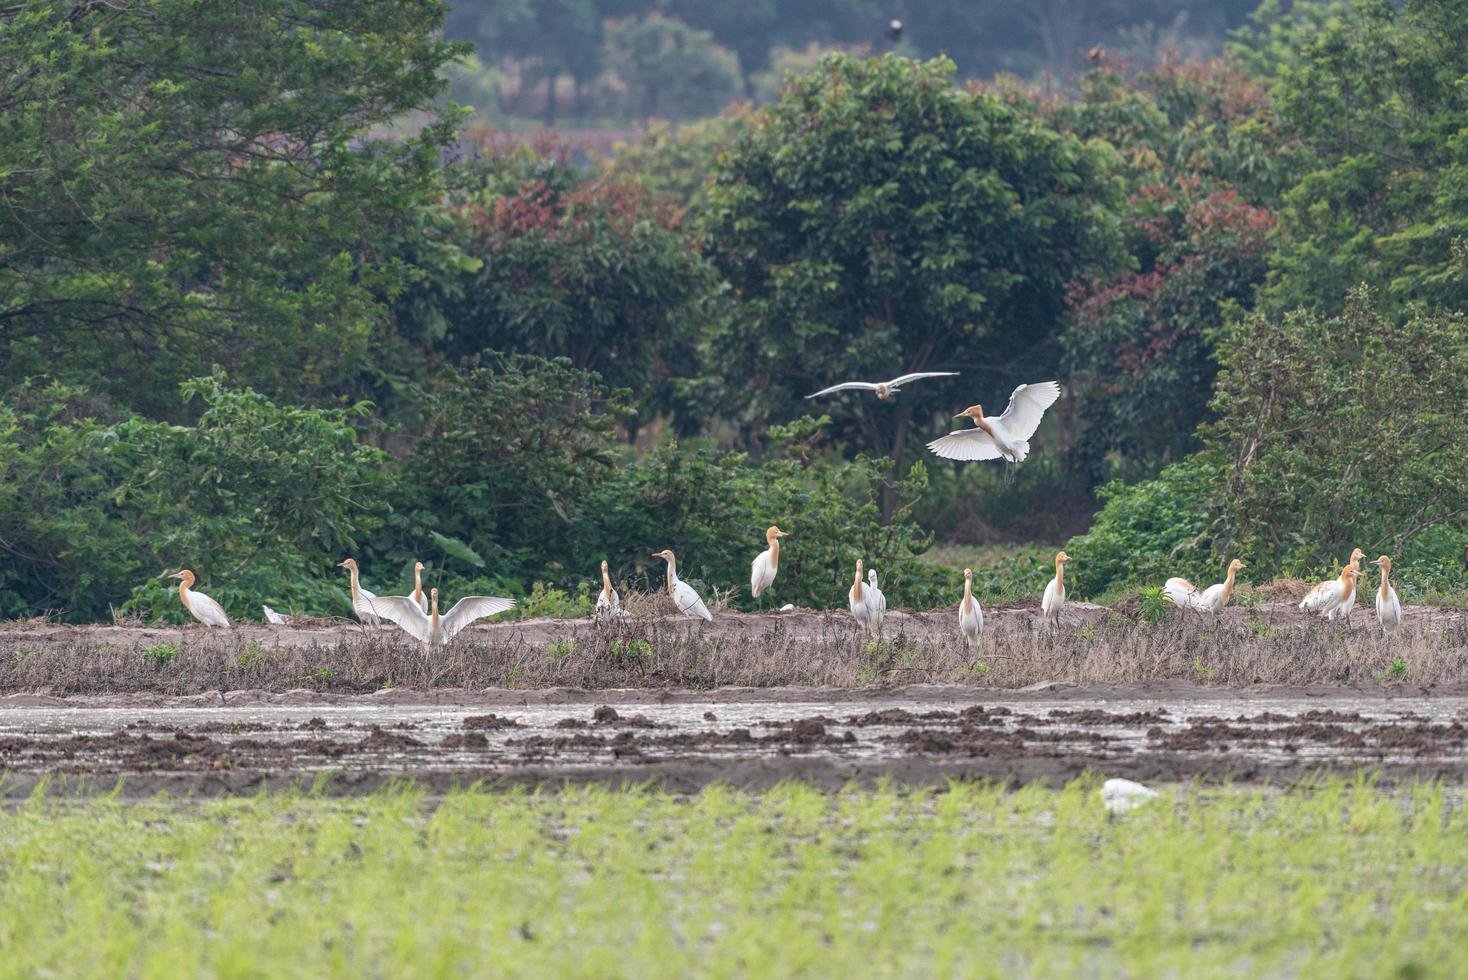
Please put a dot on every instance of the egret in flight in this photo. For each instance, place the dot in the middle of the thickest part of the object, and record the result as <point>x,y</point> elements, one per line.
<point>431,628</point>
<point>884,389</point>
<point>200,606</point>
<point>362,600</point>
<point>608,603</point>
<point>970,613</point>
<point>684,597</point>
<point>1388,606</point>
<point>1183,594</point>
<point>1005,436</point>
<point>1054,596</point>
<point>767,562</point>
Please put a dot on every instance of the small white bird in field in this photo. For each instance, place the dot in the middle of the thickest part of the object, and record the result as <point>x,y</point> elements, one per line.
<point>767,563</point>
<point>1005,436</point>
<point>1388,606</point>
<point>970,614</point>
<point>684,596</point>
<point>884,389</point>
<point>431,628</point>
<point>274,618</point>
<point>200,606</point>
<point>856,599</point>
<point>1185,595</point>
<point>363,602</point>
<point>876,600</point>
<point>1329,598</point>
<point>1054,596</point>
<point>418,595</point>
<point>1121,795</point>
<point>608,603</point>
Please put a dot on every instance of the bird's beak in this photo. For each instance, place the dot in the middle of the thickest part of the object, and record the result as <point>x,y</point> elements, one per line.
<point>961,415</point>
<point>782,534</point>
<point>341,564</point>
<point>176,575</point>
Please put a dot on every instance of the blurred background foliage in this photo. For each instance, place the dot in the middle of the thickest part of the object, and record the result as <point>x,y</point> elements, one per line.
<point>252,333</point>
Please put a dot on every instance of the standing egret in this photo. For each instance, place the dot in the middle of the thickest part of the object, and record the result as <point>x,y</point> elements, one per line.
<point>684,597</point>
<point>1353,562</point>
<point>1329,597</point>
<point>1183,594</point>
<point>608,603</point>
<point>1388,606</point>
<point>1054,596</point>
<point>856,599</point>
<point>766,563</point>
<point>431,628</point>
<point>363,602</point>
<point>884,389</point>
<point>876,601</point>
<point>200,606</point>
<point>418,595</point>
<point>970,614</point>
<point>1003,437</point>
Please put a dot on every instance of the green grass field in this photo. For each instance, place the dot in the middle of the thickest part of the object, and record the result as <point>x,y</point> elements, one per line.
<point>1337,879</point>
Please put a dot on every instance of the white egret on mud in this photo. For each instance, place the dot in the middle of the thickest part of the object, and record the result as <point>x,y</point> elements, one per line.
<point>1054,596</point>
<point>1183,594</point>
<point>1388,606</point>
<point>1005,436</point>
<point>418,595</point>
<point>1329,598</point>
<point>684,597</point>
<point>274,618</point>
<point>608,603</point>
<point>970,613</point>
<point>363,602</point>
<point>200,606</point>
<point>431,628</point>
<point>762,570</point>
<point>1121,795</point>
<point>856,599</point>
<point>876,600</point>
<point>884,389</point>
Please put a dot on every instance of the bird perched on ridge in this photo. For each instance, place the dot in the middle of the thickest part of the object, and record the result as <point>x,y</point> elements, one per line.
<point>200,606</point>
<point>1054,596</point>
<point>274,618</point>
<point>363,602</point>
<point>856,599</point>
<point>1388,606</point>
<point>1183,594</point>
<point>884,389</point>
<point>876,600</point>
<point>432,629</point>
<point>1329,598</point>
<point>687,600</point>
<point>418,595</point>
<point>608,603</point>
<point>1004,436</point>
<point>970,613</point>
<point>767,563</point>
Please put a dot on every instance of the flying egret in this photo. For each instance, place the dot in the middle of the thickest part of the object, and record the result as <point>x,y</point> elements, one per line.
<point>884,389</point>
<point>856,599</point>
<point>274,618</point>
<point>1388,607</point>
<point>876,601</point>
<point>1183,594</point>
<point>1054,596</point>
<point>1329,598</point>
<point>418,595</point>
<point>970,613</point>
<point>200,606</point>
<point>766,563</point>
<point>684,597</point>
<point>1121,795</point>
<point>1004,437</point>
<point>363,602</point>
<point>608,603</point>
<point>432,629</point>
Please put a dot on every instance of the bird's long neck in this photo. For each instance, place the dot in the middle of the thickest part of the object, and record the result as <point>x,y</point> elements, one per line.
<point>606,584</point>
<point>433,616</point>
<point>352,577</point>
<point>983,423</point>
<point>1386,572</point>
<point>968,593</point>
<point>418,585</point>
<point>1059,574</point>
<point>774,552</point>
<point>1348,586</point>
<point>1228,586</point>
<point>672,574</point>
<point>183,591</point>
<point>856,585</point>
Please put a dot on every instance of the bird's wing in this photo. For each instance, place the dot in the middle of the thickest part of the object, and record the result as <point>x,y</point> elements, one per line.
<point>1323,596</point>
<point>845,386</point>
<point>207,610</point>
<point>1027,406</point>
<point>272,617</point>
<point>689,603</point>
<point>1178,591</point>
<point>899,382</point>
<point>363,604</point>
<point>403,611</point>
<point>472,608</point>
<point>965,444</point>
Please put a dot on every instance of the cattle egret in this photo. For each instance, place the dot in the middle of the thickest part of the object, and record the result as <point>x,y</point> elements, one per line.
<point>1329,598</point>
<point>418,595</point>
<point>274,618</point>
<point>884,389</point>
<point>766,563</point>
<point>1314,595</point>
<point>876,601</point>
<point>1388,607</point>
<point>1054,596</point>
<point>1121,795</point>
<point>684,597</point>
<point>1183,594</point>
<point>608,603</point>
<point>1005,437</point>
<point>856,599</point>
<point>970,614</point>
<point>200,606</point>
<point>363,602</point>
<point>432,629</point>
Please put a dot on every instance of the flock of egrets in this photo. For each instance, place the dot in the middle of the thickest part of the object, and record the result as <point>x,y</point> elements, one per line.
<point>1005,436</point>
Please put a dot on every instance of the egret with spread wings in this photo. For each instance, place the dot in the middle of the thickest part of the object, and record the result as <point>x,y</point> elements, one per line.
<point>1005,436</point>
<point>431,628</point>
<point>884,389</point>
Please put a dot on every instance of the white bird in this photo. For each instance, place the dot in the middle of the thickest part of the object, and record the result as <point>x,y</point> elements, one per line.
<point>1185,595</point>
<point>1054,596</point>
<point>876,601</point>
<point>684,597</point>
<point>884,389</point>
<point>1121,795</point>
<point>431,628</point>
<point>363,602</point>
<point>1388,606</point>
<point>418,595</point>
<point>274,618</point>
<point>1317,597</point>
<point>766,563</point>
<point>970,613</point>
<point>1329,598</point>
<point>856,598</point>
<point>608,603</point>
<point>200,606</point>
<point>1004,437</point>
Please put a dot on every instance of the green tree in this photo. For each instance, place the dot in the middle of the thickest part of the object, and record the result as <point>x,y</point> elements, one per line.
<point>666,68</point>
<point>192,184</point>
